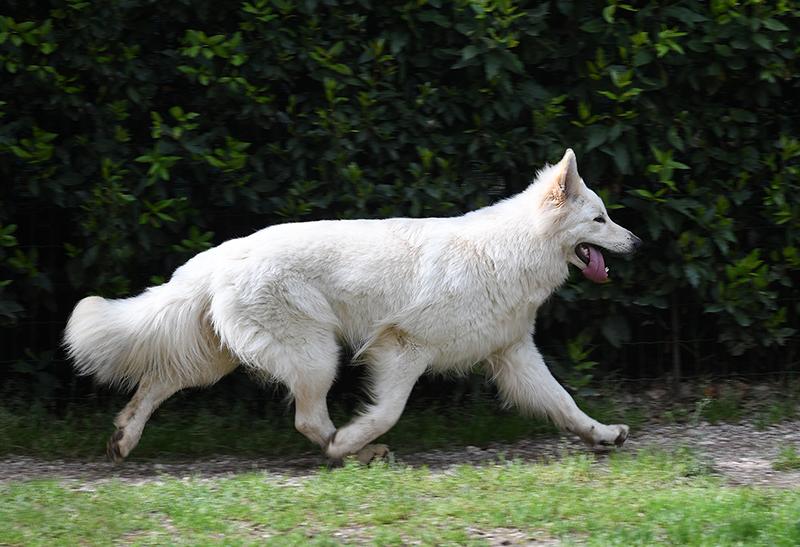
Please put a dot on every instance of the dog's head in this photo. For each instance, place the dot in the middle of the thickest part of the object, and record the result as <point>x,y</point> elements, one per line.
<point>584,226</point>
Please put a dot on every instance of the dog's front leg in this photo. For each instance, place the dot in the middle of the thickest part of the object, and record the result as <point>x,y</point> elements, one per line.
<point>525,381</point>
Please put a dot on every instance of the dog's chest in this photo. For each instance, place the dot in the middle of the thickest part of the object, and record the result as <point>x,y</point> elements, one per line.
<point>473,333</point>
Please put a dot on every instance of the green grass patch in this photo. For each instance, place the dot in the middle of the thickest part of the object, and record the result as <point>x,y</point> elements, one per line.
<point>633,500</point>
<point>777,411</point>
<point>724,409</point>
<point>788,459</point>
<point>196,430</point>
<point>764,405</point>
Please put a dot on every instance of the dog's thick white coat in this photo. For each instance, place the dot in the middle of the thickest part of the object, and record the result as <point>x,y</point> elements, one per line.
<point>409,295</point>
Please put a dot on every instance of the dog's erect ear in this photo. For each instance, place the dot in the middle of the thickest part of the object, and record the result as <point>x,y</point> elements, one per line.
<point>567,179</point>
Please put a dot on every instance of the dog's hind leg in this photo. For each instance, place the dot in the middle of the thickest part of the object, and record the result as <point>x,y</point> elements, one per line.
<point>131,421</point>
<point>309,382</point>
<point>151,392</point>
<point>395,367</point>
<point>524,380</point>
<point>285,330</point>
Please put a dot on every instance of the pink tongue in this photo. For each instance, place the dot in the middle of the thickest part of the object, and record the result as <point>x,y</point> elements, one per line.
<point>596,269</point>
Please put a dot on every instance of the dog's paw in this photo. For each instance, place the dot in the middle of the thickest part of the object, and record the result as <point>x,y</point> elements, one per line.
<point>373,452</point>
<point>621,433</point>
<point>612,436</point>
<point>115,449</point>
<point>604,437</point>
<point>622,436</point>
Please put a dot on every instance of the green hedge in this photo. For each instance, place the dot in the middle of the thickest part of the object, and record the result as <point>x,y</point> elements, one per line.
<point>135,133</point>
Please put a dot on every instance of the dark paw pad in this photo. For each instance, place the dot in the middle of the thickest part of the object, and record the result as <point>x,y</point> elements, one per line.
<point>112,447</point>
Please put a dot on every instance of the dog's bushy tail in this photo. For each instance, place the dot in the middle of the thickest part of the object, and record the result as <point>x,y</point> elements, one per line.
<point>162,333</point>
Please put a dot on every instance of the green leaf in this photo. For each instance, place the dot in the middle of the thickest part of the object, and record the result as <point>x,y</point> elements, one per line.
<point>493,64</point>
<point>593,26</point>
<point>595,136</point>
<point>341,69</point>
<point>693,274</point>
<point>621,158</point>
<point>336,49</point>
<point>774,24</point>
<point>762,41</point>
<point>469,52</point>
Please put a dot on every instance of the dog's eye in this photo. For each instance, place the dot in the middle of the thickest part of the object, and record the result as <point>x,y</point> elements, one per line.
<point>600,219</point>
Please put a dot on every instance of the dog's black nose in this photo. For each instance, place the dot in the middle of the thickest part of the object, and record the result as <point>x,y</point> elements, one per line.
<point>636,242</point>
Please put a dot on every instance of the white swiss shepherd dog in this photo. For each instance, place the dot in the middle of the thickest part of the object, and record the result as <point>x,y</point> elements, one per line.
<point>407,295</point>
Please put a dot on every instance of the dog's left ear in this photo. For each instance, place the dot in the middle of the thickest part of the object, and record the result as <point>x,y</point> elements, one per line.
<point>567,178</point>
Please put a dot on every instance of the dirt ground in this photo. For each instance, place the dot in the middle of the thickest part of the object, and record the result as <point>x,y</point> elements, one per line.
<point>741,453</point>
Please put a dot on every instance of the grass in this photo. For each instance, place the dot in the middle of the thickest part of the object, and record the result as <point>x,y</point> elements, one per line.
<point>777,411</point>
<point>644,499</point>
<point>771,405</point>
<point>788,459</point>
<point>727,408</point>
<point>200,430</point>
<point>654,497</point>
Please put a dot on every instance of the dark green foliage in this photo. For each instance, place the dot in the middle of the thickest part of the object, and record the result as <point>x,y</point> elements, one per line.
<point>136,133</point>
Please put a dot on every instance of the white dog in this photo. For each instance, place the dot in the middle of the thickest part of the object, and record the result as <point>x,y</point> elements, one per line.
<point>409,295</point>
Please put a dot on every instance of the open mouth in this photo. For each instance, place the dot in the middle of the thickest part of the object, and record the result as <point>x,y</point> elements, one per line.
<point>595,268</point>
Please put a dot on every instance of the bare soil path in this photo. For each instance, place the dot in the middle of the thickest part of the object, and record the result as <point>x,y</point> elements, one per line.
<point>741,453</point>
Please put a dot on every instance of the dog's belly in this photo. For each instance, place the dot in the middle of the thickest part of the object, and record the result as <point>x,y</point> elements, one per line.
<point>457,336</point>
<point>465,341</point>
